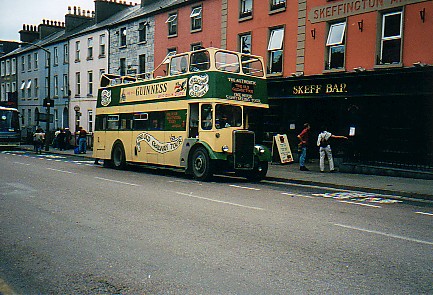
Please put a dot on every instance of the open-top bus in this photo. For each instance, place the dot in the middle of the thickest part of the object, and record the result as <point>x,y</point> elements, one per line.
<point>194,112</point>
<point>10,133</point>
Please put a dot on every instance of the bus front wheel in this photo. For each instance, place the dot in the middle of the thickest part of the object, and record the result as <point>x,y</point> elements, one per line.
<point>201,164</point>
<point>118,158</point>
<point>259,171</point>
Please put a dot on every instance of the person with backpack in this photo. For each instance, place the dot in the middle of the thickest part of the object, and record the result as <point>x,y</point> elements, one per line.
<point>323,142</point>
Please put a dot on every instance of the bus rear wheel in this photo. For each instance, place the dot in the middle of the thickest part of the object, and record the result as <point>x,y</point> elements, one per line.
<point>201,165</point>
<point>118,158</point>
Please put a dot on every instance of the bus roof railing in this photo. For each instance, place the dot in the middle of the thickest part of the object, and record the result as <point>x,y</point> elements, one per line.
<point>113,79</point>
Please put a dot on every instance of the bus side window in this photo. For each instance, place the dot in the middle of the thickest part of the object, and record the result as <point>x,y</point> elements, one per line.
<point>113,122</point>
<point>179,65</point>
<point>206,117</point>
<point>226,61</point>
<point>199,61</point>
<point>141,121</point>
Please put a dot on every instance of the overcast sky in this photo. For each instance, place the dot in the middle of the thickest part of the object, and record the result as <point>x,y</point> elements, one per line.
<point>15,13</point>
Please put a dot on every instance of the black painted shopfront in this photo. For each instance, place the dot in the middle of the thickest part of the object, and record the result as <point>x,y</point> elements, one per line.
<point>389,114</point>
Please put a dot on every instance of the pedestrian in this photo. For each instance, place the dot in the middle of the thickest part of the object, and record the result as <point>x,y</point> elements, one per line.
<point>68,137</point>
<point>82,140</point>
<point>38,140</point>
<point>323,142</point>
<point>302,146</point>
<point>61,139</point>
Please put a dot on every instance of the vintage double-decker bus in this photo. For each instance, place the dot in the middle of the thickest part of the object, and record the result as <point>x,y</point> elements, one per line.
<point>10,133</point>
<point>194,111</point>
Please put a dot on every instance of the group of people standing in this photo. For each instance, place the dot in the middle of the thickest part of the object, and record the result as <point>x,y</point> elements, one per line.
<point>62,139</point>
<point>323,142</point>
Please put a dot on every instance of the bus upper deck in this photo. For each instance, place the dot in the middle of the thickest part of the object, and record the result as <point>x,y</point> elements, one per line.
<point>206,73</point>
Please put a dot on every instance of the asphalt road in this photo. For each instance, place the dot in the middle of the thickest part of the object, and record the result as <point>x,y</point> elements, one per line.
<point>71,227</point>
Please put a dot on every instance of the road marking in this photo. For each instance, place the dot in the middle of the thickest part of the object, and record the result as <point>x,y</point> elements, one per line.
<point>19,163</point>
<point>218,201</point>
<point>360,204</point>
<point>384,234</point>
<point>298,195</point>
<point>424,213</point>
<point>63,171</point>
<point>245,187</point>
<point>117,181</point>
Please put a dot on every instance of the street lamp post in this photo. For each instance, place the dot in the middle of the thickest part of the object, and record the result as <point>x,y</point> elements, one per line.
<point>47,101</point>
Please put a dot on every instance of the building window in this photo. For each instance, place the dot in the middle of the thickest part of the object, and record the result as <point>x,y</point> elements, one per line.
<point>142,64</point>
<point>8,67</point>
<point>102,45</point>
<point>56,56</point>
<point>29,117</point>
<point>122,36</point>
<point>29,62</point>
<point>172,24</point>
<point>3,68</point>
<point>278,4</point>
<point>142,32</point>
<point>390,49</point>
<point>245,43</point>
<point>14,66</point>
<point>77,51</point>
<point>29,88</point>
<point>3,93</point>
<point>246,8</point>
<point>89,48</point>
<point>47,59</point>
<point>122,68</point>
<point>56,86</point>
<point>65,54</point>
<point>275,51</point>
<point>335,46</point>
<point>77,84</point>
<point>65,85</point>
<point>23,89</point>
<point>196,18</point>
<point>36,88</point>
<point>36,60</point>
<point>23,63</point>
<point>90,120</point>
<point>90,83</point>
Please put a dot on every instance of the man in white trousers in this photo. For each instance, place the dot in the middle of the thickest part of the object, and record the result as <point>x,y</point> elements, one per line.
<point>325,148</point>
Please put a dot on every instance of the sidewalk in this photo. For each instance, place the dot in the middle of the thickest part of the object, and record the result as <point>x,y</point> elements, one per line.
<point>403,187</point>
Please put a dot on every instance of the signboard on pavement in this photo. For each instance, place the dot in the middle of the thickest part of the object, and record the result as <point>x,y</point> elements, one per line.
<point>283,147</point>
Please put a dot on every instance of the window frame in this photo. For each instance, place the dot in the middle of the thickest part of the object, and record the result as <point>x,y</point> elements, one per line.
<point>196,18</point>
<point>391,38</point>
<point>142,32</point>
<point>244,12</point>
<point>277,5</point>
<point>274,49</point>
<point>172,24</point>
<point>89,48</point>
<point>242,42</point>
<point>122,37</point>
<point>336,40</point>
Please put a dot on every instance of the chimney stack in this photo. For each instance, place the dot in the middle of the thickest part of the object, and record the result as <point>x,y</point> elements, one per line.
<point>49,27</point>
<point>76,18</point>
<point>29,33</point>
<point>107,8</point>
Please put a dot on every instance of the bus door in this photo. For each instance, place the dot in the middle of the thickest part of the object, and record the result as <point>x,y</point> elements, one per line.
<point>193,121</point>
<point>139,126</point>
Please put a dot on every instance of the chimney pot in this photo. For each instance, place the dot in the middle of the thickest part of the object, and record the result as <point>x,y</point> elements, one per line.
<point>75,10</point>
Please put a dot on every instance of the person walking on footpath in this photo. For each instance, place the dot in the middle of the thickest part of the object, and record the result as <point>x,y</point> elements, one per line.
<point>38,139</point>
<point>303,143</point>
<point>82,140</point>
<point>323,142</point>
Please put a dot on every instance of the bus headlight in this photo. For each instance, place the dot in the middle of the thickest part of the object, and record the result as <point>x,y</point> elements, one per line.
<point>225,148</point>
<point>260,149</point>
